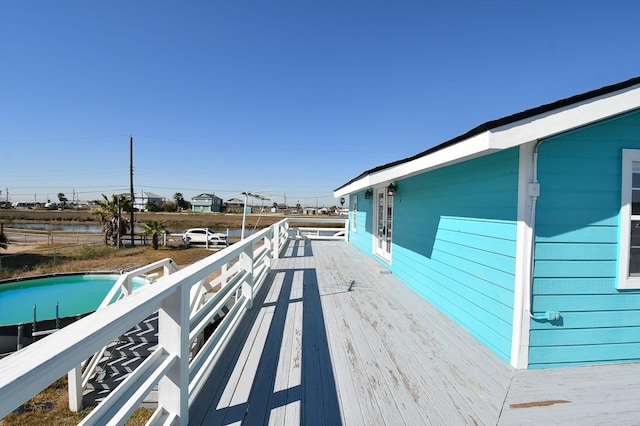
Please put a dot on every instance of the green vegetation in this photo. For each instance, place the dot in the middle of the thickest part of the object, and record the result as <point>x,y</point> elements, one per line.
<point>154,228</point>
<point>51,407</point>
<point>115,225</point>
<point>93,252</point>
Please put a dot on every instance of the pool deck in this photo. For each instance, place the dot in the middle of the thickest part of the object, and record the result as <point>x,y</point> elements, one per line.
<point>333,338</point>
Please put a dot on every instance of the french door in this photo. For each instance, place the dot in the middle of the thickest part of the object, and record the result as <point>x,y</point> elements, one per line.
<point>384,224</point>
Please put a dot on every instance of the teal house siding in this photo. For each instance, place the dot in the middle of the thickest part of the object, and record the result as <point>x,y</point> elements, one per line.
<point>362,236</point>
<point>514,229</point>
<point>454,243</point>
<point>576,249</point>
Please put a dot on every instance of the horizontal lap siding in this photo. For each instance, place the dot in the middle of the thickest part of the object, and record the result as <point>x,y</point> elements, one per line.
<point>454,243</point>
<point>576,249</point>
<point>361,236</point>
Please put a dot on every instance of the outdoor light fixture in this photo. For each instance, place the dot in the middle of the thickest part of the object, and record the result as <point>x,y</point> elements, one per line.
<point>368,194</point>
<point>391,189</point>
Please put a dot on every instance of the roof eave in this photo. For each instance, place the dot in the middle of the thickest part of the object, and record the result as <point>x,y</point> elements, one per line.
<point>566,117</point>
<point>475,146</point>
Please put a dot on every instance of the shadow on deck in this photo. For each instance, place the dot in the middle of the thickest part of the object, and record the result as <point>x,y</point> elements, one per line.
<point>283,374</point>
<point>334,339</point>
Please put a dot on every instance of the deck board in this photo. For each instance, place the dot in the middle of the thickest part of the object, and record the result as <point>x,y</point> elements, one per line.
<point>335,339</point>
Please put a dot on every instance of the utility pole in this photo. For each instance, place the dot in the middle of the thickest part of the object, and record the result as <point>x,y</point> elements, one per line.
<point>118,237</point>
<point>133,197</point>
<point>244,209</point>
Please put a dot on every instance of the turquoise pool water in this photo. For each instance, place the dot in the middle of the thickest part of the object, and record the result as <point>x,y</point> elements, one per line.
<point>76,294</point>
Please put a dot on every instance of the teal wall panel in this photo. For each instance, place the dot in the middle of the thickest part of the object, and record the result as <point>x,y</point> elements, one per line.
<point>362,237</point>
<point>591,320</point>
<point>598,336</point>
<point>454,243</point>
<point>576,249</point>
<point>586,354</point>
<point>574,285</point>
<point>568,251</point>
<point>575,268</point>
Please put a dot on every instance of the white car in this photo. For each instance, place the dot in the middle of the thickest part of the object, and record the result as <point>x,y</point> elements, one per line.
<point>202,235</point>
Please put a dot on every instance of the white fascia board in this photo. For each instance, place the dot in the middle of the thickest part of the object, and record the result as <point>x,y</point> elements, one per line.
<point>565,119</point>
<point>356,186</point>
<point>475,146</point>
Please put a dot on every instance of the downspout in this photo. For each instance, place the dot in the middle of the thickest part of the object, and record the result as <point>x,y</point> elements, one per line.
<point>534,193</point>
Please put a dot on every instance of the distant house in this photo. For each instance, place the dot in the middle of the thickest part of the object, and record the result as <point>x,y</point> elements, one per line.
<point>280,208</point>
<point>144,197</point>
<point>235,205</point>
<point>524,230</point>
<point>206,203</point>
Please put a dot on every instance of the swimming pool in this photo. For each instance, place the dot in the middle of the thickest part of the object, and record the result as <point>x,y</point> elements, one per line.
<point>76,294</point>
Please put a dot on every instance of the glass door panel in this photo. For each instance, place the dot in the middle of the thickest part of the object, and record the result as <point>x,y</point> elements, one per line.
<point>384,224</point>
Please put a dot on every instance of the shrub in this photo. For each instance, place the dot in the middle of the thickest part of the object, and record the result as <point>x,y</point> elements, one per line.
<point>93,251</point>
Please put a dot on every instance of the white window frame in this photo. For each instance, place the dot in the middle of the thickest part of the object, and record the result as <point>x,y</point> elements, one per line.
<point>625,282</point>
<point>354,213</point>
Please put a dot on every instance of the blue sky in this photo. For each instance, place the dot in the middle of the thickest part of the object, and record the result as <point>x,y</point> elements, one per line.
<point>277,97</point>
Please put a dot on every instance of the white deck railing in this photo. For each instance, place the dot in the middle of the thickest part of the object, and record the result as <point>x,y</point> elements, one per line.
<point>175,367</point>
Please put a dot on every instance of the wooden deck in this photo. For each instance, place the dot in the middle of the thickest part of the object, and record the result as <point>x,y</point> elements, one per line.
<point>335,339</point>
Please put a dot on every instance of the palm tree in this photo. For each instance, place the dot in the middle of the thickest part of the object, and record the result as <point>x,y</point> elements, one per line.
<point>178,198</point>
<point>154,227</point>
<point>63,199</point>
<point>114,224</point>
<point>4,241</point>
<point>181,203</point>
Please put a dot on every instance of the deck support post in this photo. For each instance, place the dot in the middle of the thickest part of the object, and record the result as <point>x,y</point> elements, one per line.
<point>173,337</point>
<point>74,387</point>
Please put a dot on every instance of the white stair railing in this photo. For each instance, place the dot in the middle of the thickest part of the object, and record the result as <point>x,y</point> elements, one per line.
<point>122,288</point>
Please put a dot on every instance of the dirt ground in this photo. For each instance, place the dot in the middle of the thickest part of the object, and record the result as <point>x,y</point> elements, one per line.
<point>17,248</point>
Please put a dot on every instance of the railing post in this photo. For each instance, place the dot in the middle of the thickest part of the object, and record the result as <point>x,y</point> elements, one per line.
<point>165,268</point>
<point>74,387</point>
<point>247,264</point>
<point>127,286</point>
<point>276,241</point>
<point>173,337</point>
<point>267,244</point>
<point>346,229</point>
